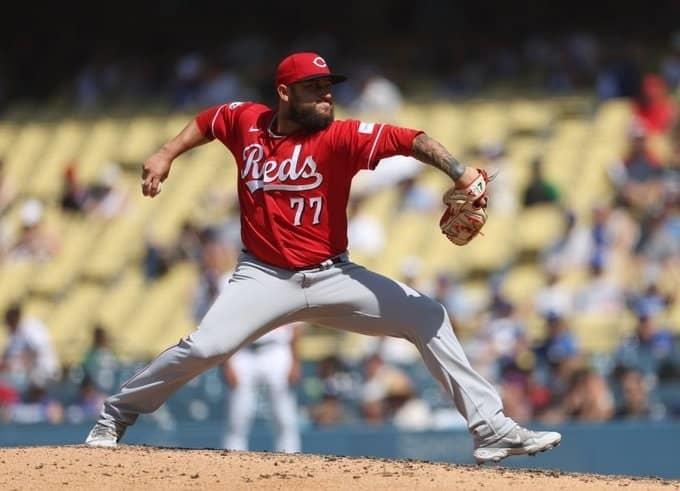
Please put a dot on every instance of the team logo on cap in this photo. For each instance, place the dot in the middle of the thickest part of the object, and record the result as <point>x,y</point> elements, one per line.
<point>320,62</point>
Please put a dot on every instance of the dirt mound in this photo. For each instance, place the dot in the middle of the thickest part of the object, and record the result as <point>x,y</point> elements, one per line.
<point>149,468</point>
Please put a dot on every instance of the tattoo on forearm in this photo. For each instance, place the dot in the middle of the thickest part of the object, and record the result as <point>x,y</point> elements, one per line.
<point>431,152</point>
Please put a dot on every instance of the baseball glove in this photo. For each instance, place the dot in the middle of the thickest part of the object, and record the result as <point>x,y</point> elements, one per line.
<point>465,213</point>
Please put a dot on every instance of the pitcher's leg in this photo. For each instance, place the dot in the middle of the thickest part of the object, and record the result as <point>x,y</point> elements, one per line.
<point>363,301</point>
<point>238,316</point>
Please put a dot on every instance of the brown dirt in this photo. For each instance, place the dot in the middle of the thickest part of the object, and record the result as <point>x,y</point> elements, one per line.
<point>150,468</point>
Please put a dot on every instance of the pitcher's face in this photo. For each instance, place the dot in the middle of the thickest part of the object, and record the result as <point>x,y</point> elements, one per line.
<point>311,104</point>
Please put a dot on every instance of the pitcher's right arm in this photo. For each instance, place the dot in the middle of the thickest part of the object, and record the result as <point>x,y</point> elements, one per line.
<point>157,167</point>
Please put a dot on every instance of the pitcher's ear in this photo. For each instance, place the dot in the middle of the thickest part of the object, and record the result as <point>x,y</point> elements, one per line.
<point>282,91</point>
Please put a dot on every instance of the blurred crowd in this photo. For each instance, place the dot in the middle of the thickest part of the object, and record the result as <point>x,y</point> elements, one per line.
<point>241,68</point>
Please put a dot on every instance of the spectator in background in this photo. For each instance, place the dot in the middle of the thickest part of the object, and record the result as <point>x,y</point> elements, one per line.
<point>635,402</point>
<point>461,305</point>
<point>338,386</point>
<point>189,72</point>
<point>35,242</point>
<point>29,358</point>
<point>415,197</point>
<point>601,293</point>
<point>572,249</point>
<point>329,410</point>
<point>271,361</point>
<point>654,108</point>
<point>660,244</point>
<point>216,263</point>
<point>559,344</point>
<point>539,189</point>
<point>588,398</point>
<point>9,396</point>
<point>366,233</point>
<point>649,348</point>
<point>188,245</point>
<point>498,340</point>
<point>554,298</point>
<point>404,408</point>
<point>36,406</point>
<point>618,75</point>
<point>219,84</point>
<point>378,97</point>
<point>557,358</point>
<point>637,176</point>
<point>74,196</point>
<point>100,363</point>
<point>87,403</point>
<point>670,64</point>
<point>378,378</point>
<point>108,198</point>
<point>650,300</point>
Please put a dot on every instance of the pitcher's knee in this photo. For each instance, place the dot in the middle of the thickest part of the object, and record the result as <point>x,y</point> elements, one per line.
<point>434,312</point>
<point>431,316</point>
<point>206,351</point>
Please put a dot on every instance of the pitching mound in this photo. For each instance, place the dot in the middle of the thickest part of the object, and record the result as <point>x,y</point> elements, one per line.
<point>149,468</point>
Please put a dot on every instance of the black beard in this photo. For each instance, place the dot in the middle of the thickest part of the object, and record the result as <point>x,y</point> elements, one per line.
<point>309,119</point>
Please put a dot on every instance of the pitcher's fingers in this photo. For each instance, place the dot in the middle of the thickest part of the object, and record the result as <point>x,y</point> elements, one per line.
<point>148,185</point>
<point>155,186</point>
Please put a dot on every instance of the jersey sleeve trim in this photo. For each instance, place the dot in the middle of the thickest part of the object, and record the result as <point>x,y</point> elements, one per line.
<point>375,143</point>
<point>212,123</point>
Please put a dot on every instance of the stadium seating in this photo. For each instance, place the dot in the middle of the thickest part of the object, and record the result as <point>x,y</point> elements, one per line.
<point>97,277</point>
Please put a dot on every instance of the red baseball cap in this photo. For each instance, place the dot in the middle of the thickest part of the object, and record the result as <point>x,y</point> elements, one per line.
<point>304,66</point>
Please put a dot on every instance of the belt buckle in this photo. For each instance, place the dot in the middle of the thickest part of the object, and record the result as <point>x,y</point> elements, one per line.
<point>327,263</point>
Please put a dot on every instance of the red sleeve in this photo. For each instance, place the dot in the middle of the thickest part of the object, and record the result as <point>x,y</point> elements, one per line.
<point>218,121</point>
<point>366,144</point>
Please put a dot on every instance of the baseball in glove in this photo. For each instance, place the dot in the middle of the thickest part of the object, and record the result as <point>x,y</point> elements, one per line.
<point>465,213</point>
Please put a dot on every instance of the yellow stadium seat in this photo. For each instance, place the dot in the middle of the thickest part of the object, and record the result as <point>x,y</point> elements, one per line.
<point>408,236</point>
<point>156,311</point>
<point>444,257</point>
<point>25,151</point>
<point>179,326</point>
<point>57,275</point>
<point>71,321</point>
<point>122,297</point>
<point>600,333</point>
<point>445,122</point>
<point>120,242</point>
<point>529,116</point>
<point>143,135</point>
<point>486,123</point>
<point>62,149</point>
<point>537,227</point>
<point>493,250</point>
<point>522,283</point>
<point>8,132</point>
<point>99,149</point>
<point>16,277</point>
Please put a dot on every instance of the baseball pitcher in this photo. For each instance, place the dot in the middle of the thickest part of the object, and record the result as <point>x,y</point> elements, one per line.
<point>295,167</point>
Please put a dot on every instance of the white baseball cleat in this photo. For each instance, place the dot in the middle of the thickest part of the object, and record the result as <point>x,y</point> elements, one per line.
<point>519,441</point>
<point>105,436</point>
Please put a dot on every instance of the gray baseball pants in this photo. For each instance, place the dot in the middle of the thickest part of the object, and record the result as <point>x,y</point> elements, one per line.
<point>261,297</point>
